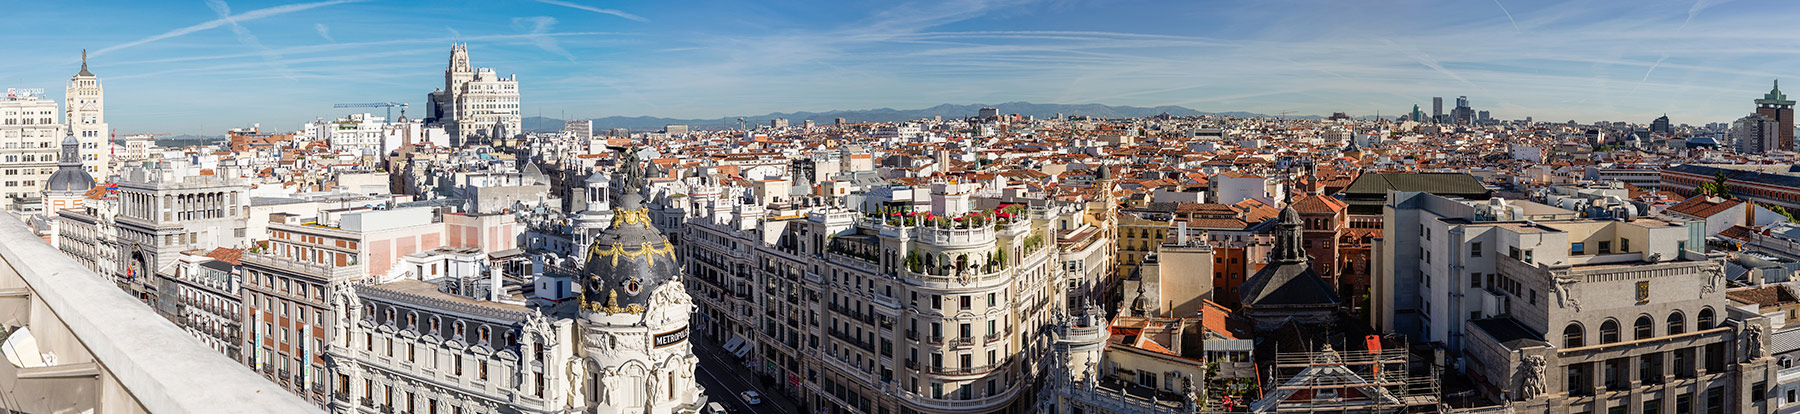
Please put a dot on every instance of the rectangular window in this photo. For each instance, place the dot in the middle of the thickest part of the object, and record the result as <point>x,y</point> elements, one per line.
<point>1475,249</point>
<point>1624,245</point>
<point>1715,400</point>
<point>1527,256</point>
<point>1577,248</point>
<point>1475,280</point>
<point>1605,247</point>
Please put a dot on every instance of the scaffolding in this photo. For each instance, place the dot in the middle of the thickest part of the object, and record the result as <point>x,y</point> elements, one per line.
<point>1361,381</point>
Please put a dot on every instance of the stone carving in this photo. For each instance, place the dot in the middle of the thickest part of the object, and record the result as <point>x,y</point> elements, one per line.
<point>1327,356</point>
<point>1714,276</point>
<point>1564,297</point>
<point>577,378</point>
<point>654,387</point>
<point>608,385</point>
<point>1532,368</point>
<point>1088,376</point>
<point>1190,391</point>
<point>1753,342</point>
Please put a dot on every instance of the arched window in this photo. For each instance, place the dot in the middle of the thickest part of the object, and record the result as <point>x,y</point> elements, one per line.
<point>1609,331</point>
<point>1572,336</point>
<point>1642,329</point>
<point>1677,323</point>
<point>1705,321</point>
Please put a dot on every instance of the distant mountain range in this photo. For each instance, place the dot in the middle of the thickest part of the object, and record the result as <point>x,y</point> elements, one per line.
<point>948,111</point>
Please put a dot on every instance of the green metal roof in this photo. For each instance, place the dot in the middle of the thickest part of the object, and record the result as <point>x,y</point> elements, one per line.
<point>1775,97</point>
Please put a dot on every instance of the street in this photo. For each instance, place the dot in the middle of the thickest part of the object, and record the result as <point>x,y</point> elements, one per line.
<point>724,377</point>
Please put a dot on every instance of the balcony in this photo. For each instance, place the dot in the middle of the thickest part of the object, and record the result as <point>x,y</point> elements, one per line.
<point>982,404</point>
<point>111,353</point>
<point>964,371</point>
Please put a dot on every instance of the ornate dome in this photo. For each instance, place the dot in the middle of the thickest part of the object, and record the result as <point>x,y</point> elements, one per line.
<point>625,263</point>
<point>69,176</point>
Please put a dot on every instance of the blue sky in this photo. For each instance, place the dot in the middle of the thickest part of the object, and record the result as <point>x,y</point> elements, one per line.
<point>206,65</point>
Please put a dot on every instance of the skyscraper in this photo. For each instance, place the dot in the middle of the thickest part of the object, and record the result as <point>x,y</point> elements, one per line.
<point>1776,106</point>
<point>1661,125</point>
<point>84,108</point>
<point>1437,108</point>
<point>1462,115</point>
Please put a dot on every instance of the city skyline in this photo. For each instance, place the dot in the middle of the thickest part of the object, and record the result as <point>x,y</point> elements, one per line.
<point>202,67</point>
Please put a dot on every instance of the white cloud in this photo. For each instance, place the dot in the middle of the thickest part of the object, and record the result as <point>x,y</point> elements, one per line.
<point>244,17</point>
<point>594,9</point>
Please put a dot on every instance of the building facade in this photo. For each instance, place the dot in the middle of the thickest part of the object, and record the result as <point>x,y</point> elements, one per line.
<point>872,312</point>
<point>171,207</point>
<point>1776,107</point>
<point>476,104</point>
<point>84,106</point>
<point>29,133</point>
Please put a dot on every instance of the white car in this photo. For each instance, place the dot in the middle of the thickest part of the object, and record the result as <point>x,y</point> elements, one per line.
<point>751,397</point>
<point>715,408</point>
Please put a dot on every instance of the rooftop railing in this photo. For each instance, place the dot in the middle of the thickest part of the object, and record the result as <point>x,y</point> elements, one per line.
<point>97,349</point>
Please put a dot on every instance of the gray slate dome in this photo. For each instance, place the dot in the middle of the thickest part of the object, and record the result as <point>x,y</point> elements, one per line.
<point>628,261</point>
<point>69,176</point>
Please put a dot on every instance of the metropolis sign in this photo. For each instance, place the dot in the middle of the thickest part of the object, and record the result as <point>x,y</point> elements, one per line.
<point>671,337</point>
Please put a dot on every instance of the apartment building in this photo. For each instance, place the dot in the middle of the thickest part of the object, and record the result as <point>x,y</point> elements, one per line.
<point>930,311</point>
<point>205,292</point>
<point>29,132</point>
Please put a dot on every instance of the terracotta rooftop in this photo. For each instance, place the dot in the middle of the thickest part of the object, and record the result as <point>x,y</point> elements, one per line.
<point>1703,206</point>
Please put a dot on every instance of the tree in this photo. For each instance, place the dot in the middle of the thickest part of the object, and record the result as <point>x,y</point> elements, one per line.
<point>1717,188</point>
<point>1783,211</point>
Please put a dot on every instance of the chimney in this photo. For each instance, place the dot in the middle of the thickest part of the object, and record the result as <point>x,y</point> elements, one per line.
<point>1181,235</point>
<point>493,293</point>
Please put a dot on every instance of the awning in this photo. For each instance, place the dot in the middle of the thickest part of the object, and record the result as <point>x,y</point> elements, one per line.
<point>734,343</point>
<point>745,350</point>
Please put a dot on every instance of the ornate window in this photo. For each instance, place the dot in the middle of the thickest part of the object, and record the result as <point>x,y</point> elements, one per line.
<point>1677,323</point>
<point>1642,329</point>
<point>1609,331</point>
<point>1572,336</point>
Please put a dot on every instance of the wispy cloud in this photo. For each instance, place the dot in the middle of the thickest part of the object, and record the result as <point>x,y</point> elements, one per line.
<point>324,32</point>
<point>244,17</point>
<point>1509,18</point>
<point>595,9</point>
<point>245,38</point>
<point>537,28</point>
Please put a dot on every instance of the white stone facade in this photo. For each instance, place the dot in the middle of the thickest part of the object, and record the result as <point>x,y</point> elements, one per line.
<point>29,134</point>
<point>84,106</point>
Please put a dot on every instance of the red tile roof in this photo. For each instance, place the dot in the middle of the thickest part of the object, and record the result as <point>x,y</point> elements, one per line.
<point>1702,206</point>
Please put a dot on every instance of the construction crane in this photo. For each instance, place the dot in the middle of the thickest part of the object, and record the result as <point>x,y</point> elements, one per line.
<point>389,105</point>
